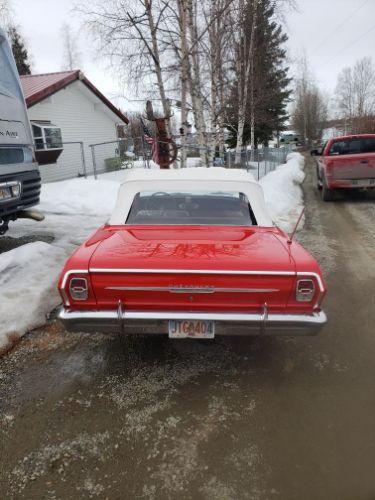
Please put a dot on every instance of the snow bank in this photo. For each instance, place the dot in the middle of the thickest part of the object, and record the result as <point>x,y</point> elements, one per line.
<point>79,196</point>
<point>28,277</point>
<point>283,193</point>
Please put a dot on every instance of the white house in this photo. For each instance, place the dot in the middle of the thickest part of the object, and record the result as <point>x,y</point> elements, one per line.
<point>68,112</point>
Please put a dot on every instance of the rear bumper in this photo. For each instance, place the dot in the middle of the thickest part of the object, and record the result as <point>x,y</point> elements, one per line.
<point>351,183</point>
<point>155,322</point>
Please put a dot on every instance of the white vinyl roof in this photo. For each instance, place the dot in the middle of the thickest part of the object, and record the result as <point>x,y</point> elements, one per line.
<point>190,179</point>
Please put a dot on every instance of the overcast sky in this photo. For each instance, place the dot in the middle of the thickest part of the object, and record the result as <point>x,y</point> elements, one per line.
<point>333,34</point>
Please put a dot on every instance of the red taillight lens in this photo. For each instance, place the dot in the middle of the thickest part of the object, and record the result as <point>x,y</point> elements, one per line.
<point>78,289</point>
<point>305,290</point>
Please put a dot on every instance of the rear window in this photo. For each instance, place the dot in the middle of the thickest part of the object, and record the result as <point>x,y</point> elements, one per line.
<point>191,208</point>
<point>353,146</point>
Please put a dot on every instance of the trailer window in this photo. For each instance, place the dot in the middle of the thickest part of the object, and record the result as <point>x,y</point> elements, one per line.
<point>191,208</point>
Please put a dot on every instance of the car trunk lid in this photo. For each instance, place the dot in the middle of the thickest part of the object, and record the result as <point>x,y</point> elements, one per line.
<point>205,269</point>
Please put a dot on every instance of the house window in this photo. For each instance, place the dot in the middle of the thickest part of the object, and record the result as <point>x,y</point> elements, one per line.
<point>46,136</point>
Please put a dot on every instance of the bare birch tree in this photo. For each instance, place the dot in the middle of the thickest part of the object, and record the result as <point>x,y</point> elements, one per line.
<point>71,53</point>
<point>184,63</point>
<point>6,14</point>
<point>355,90</point>
<point>193,51</point>
<point>218,64</point>
<point>244,71</point>
<point>129,33</point>
<point>310,106</point>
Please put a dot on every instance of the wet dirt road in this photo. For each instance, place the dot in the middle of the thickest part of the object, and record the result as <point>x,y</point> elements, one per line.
<point>87,416</point>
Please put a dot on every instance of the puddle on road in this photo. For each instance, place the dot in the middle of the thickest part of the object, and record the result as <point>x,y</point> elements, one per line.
<point>9,243</point>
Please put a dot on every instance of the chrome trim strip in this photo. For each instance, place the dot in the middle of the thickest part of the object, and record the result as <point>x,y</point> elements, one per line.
<point>190,290</point>
<point>120,315</point>
<point>191,271</point>
<point>264,318</point>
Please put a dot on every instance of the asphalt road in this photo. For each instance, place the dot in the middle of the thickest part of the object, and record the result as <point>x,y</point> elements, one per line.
<point>87,416</point>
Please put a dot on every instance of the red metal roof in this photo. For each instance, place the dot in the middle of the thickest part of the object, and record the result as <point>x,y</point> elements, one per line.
<point>38,87</point>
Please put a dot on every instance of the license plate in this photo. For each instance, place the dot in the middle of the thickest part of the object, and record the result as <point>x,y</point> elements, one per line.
<point>363,182</point>
<point>5,193</point>
<point>195,329</point>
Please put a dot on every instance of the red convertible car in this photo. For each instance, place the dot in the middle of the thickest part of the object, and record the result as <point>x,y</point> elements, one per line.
<point>192,253</point>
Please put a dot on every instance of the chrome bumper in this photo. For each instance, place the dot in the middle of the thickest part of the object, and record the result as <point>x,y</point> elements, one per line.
<point>155,322</point>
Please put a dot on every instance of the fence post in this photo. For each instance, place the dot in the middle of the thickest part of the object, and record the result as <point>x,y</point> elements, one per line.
<point>93,161</point>
<point>265,161</point>
<point>145,156</point>
<point>83,159</point>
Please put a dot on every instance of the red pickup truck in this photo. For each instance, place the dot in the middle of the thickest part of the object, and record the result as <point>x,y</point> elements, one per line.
<point>346,163</point>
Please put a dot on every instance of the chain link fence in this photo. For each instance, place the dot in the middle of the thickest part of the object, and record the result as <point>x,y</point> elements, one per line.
<point>135,152</point>
<point>61,160</point>
<point>261,162</point>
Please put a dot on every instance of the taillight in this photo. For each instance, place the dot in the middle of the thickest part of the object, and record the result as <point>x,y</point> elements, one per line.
<point>78,289</point>
<point>305,290</point>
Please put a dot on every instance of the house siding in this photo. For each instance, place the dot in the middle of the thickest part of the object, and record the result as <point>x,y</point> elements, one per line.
<point>83,117</point>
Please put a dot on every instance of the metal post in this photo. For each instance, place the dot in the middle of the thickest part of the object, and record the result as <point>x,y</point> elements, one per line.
<point>145,157</point>
<point>264,161</point>
<point>83,159</point>
<point>93,161</point>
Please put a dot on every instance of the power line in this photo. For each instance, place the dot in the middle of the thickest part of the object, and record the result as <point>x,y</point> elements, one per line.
<point>349,45</point>
<point>339,26</point>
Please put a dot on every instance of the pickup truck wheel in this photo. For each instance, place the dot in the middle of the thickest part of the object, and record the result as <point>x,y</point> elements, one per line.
<point>327,194</point>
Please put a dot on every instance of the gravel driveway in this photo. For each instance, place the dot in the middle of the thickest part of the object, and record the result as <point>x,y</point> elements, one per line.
<point>88,416</point>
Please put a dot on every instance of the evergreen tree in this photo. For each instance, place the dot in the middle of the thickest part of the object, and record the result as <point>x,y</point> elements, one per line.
<point>270,77</point>
<point>19,50</point>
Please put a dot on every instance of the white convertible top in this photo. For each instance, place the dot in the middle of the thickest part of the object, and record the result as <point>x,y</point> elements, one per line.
<point>190,179</point>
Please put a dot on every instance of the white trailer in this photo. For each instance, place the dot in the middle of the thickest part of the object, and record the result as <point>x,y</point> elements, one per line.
<point>19,173</point>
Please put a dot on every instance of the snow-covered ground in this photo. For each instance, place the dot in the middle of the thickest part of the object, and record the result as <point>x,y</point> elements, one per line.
<point>73,210</point>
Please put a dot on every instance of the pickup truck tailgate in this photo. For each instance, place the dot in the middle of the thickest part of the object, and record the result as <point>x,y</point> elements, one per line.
<point>354,166</point>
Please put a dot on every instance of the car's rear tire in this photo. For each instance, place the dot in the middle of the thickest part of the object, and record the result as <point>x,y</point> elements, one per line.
<point>327,194</point>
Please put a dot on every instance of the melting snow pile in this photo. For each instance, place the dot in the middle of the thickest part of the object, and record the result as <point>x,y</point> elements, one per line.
<point>283,193</point>
<point>79,197</point>
<point>28,277</point>
<point>73,210</point>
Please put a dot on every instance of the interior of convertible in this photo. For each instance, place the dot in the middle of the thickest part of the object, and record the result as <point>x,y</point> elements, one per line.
<point>191,208</point>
